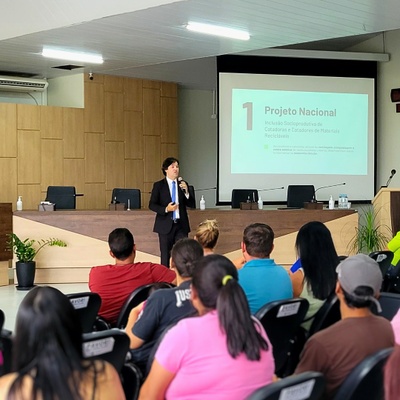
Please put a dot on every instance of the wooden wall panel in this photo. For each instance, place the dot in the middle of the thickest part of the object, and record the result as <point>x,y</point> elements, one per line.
<point>151,112</point>
<point>152,84</point>
<point>115,165</point>
<point>113,83</point>
<point>169,120</point>
<point>29,155</point>
<point>114,116</point>
<point>28,117</point>
<point>74,175</point>
<point>169,150</point>
<point>73,133</point>
<point>94,158</point>
<point>51,122</point>
<point>169,89</point>
<point>134,174</point>
<point>8,180</point>
<point>133,94</point>
<point>94,106</point>
<point>152,159</point>
<point>8,130</point>
<point>31,196</point>
<point>95,196</point>
<point>52,164</point>
<point>133,128</point>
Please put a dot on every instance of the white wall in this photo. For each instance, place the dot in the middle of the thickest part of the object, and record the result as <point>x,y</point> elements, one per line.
<point>66,91</point>
<point>198,142</point>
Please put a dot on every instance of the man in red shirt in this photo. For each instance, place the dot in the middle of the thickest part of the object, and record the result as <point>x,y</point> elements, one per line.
<point>114,283</point>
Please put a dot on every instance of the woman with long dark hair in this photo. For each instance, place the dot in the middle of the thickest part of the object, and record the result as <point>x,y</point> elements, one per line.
<point>47,355</point>
<point>314,274</point>
<point>221,354</point>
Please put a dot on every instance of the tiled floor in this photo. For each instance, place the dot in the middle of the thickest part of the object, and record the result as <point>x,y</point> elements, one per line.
<point>10,299</point>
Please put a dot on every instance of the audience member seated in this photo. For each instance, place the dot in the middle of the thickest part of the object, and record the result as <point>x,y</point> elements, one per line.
<point>222,354</point>
<point>313,276</point>
<point>336,350</point>
<point>396,327</point>
<point>207,234</point>
<point>391,375</point>
<point>114,283</point>
<point>394,246</point>
<point>47,354</point>
<point>164,307</point>
<point>262,280</point>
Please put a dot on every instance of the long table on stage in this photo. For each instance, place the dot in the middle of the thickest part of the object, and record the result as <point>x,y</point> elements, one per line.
<point>86,233</point>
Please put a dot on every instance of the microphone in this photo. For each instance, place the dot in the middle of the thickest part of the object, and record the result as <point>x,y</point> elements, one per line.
<point>201,190</point>
<point>180,180</point>
<point>314,199</point>
<point>392,172</point>
<point>266,190</point>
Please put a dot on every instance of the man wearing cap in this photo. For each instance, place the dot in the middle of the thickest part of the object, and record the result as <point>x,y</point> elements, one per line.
<point>336,350</point>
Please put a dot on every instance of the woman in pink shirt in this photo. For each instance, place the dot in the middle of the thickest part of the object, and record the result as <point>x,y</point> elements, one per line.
<point>223,353</point>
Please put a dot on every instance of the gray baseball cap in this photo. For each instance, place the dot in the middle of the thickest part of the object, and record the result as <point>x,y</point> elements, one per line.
<point>360,270</point>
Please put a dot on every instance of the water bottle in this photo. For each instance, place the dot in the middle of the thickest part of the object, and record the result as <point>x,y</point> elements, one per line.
<point>331,203</point>
<point>19,203</point>
<point>260,203</point>
<point>202,203</point>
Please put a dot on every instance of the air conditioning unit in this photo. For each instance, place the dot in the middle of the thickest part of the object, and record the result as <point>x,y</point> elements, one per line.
<point>12,84</point>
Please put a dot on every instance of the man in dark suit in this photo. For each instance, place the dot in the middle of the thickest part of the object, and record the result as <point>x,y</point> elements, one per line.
<point>169,199</point>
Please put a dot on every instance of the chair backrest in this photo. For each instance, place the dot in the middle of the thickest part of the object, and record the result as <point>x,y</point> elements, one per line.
<point>281,320</point>
<point>87,305</point>
<point>366,380</point>
<point>139,295</point>
<point>64,197</point>
<point>297,195</point>
<point>327,315</point>
<point>111,346</point>
<point>390,304</point>
<point>305,386</point>
<point>131,378</point>
<point>384,259</point>
<point>122,195</point>
<point>243,195</point>
<point>2,319</point>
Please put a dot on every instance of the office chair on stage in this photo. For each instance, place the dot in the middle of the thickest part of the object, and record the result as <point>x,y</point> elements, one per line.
<point>64,197</point>
<point>120,195</point>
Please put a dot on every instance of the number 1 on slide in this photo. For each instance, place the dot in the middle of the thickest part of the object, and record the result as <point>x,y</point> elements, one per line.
<point>249,124</point>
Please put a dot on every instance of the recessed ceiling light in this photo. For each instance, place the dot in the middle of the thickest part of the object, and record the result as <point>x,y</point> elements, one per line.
<point>72,56</point>
<point>218,31</point>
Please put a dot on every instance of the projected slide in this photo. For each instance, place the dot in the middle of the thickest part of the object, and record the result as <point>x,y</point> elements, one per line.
<point>280,130</point>
<point>313,131</point>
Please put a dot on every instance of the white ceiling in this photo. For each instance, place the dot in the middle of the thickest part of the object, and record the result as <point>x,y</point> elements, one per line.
<point>148,39</point>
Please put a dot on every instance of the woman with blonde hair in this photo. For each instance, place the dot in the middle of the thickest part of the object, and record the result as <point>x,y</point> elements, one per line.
<point>207,234</point>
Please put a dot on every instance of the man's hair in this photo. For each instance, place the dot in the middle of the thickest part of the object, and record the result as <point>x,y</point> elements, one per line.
<point>167,162</point>
<point>353,302</point>
<point>121,243</point>
<point>258,239</point>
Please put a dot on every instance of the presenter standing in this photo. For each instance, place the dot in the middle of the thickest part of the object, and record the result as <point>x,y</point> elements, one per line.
<point>169,199</point>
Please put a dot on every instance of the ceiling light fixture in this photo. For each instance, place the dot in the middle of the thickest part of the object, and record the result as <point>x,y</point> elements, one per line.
<point>218,31</point>
<point>72,56</point>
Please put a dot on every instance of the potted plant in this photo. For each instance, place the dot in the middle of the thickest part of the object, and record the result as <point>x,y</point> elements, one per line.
<point>369,235</point>
<point>26,251</point>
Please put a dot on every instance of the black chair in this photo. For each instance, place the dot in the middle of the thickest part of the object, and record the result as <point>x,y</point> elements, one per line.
<point>384,259</point>
<point>111,346</point>
<point>139,295</point>
<point>64,197</point>
<point>243,195</point>
<point>390,304</point>
<point>297,195</point>
<point>281,320</point>
<point>131,378</point>
<point>121,195</point>
<point>87,304</point>
<point>327,315</point>
<point>305,386</point>
<point>365,381</point>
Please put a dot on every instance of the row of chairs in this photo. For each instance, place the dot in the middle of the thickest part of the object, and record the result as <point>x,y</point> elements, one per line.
<point>364,382</point>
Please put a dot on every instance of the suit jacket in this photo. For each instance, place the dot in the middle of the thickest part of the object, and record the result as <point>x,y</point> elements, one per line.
<point>160,198</point>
